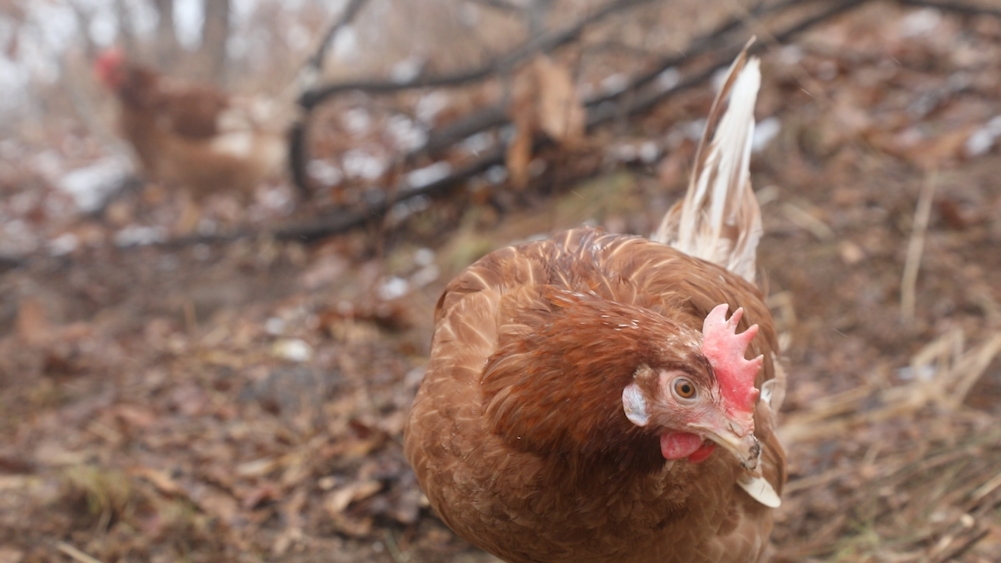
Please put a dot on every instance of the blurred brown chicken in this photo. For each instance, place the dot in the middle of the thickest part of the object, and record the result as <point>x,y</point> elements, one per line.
<point>192,136</point>
<point>587,400</point>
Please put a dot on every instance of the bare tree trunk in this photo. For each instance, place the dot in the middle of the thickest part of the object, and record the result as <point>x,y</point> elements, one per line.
<point>126,33</point>
<point>214,36</point>
<point>166,37</point>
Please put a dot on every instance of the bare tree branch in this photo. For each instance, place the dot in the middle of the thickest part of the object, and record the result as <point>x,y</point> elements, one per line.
<point>501,6</point>
<point>540,44</point>
<point>166,37</point>
<point>297,134</point>
<point>215,33</point>
<point>956,7</point>
<point>315,62</point>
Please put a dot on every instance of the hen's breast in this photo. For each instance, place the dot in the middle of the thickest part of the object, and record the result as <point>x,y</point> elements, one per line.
<point>532,507</point>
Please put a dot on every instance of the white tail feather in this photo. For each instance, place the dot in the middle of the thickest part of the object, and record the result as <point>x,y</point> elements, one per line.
<point>719,219</point>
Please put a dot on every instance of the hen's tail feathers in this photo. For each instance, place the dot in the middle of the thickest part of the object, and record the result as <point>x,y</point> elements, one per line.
<point>719,219</point>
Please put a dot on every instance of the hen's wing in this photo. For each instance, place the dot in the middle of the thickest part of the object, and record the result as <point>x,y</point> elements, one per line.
<point>193,112</point>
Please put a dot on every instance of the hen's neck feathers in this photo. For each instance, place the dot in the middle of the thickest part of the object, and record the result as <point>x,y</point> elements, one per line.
<point>531,403</point>
<point>719,219</point>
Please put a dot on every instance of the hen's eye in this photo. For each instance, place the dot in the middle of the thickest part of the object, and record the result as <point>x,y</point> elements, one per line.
<point>684,388</point>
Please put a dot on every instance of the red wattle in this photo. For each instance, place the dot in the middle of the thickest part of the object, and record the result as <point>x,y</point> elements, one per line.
<point>703,453</point>
<point>679,445</point>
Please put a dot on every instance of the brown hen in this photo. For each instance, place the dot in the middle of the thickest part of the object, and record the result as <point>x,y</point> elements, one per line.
<point>587,400</point>
<point>192,136</point>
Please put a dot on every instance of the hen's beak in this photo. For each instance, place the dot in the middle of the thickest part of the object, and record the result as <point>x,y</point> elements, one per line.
<point>735,433</point>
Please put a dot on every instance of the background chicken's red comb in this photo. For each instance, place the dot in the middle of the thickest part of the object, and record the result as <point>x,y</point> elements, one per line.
<point>107,63</point>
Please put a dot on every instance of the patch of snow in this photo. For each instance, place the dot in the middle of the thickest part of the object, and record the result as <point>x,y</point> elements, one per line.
<point>238,144</point>
<point>428,175</point>
<point>189,18</point>
<point>764,133</point>
<point>430,105</point>
<point>615,83</point>
<point>476,144</point>
<point>408,69</point>
<point>345,44</point>
<point>357,120</point>
<point>624,152</point>
<point>413,378</point>
<point>358,163</point>
<point>791,54</point>
<point>407,134</point>
<point>496,174</point>
<point>135,235</point>
<point>17,239</point>
<point>103,28</point>
<point>921,22</point>
<point>92,186</point>
<point>649,152</point>
<point>426,275</point>
<point>408,207</point>
<point>63,244</point>
<point>324,172</point>
<point>423,256</point>
<point>668,79</point>
<point>393,288</point>
<point>981,140</point>
<point>923,373</point>
<point>274,326</point>
<point>293,350</point>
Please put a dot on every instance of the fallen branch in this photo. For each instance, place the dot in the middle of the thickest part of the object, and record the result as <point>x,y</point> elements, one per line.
<point>958,8</point>
<point>496,116</point>
<point>598,114</point>
<point>309,100</point>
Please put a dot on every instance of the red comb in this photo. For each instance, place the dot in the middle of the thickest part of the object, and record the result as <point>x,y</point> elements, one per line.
<point>107,65</point>
<point>724,349</point>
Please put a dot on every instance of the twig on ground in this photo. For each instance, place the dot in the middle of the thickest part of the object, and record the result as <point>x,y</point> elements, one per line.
<point>74,553</point>
<point>943,552</point>
<point>915,248</point>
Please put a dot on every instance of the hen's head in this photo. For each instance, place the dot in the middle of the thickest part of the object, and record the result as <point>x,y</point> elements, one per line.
<point>695,410</point>
<point>110,68</point>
